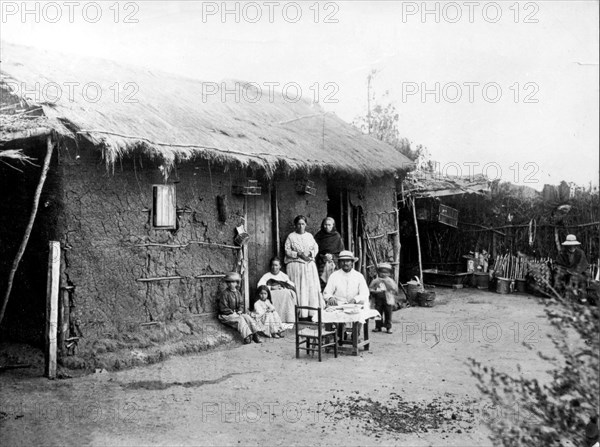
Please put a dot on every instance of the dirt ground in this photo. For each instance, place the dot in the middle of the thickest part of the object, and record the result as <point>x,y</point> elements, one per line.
<point>413,387</point>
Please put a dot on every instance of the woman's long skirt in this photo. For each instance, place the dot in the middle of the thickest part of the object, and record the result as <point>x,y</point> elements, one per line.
<point>308,288</point>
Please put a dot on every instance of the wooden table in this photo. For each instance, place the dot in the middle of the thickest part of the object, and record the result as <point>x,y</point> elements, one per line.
<point>339,317</point>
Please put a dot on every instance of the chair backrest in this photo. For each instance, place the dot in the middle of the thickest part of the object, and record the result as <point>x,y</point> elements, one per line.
<point>309,323</point>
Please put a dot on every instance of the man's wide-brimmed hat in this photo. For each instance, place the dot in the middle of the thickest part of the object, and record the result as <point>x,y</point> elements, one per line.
<point>346,255</point>
<point>232,277</point>
<point>384,266</point>
<point>571,240</point>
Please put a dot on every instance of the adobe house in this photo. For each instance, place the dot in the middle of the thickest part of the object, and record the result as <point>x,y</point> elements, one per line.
<point>145,197</point>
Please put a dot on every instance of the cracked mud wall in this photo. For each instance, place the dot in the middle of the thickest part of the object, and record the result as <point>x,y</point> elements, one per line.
<point>108,221</point>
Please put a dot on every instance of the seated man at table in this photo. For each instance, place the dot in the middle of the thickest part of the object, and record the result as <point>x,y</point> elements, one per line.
<point>346,286</point>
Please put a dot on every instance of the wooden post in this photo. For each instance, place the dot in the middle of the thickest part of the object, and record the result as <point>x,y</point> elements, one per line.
<point>342,230</point>
<point>349,220</point>
<point>364,258</point>
<point>276,223</point>
<point>52,308</point>
<point>63,321</point>
<point>245,261</point>
<point>397,246</point>
<point>418,240</point>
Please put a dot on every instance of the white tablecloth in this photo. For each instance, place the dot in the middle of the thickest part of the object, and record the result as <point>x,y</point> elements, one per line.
<point>339,316</point>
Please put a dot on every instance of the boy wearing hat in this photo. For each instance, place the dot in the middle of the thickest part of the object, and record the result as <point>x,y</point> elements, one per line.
<point>384,291</point>
<point>571,263</point>
<point>231,310</point>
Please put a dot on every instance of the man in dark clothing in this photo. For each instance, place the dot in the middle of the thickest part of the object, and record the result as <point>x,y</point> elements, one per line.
<point>571,265</point>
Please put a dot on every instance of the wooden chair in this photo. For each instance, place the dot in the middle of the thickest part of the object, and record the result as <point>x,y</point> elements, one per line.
<point>314,334</point>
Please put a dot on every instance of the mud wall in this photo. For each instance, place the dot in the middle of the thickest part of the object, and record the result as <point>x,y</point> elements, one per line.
<point>292,204</point>
<point>377,200</point>
<point>108,229</point>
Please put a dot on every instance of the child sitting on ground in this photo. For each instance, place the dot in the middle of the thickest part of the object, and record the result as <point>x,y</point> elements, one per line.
<point>384,290</point>
<point>231,310</point>
<point>265,314</point>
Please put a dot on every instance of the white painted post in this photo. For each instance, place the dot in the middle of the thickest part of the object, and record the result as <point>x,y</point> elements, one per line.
<point>52,309</point>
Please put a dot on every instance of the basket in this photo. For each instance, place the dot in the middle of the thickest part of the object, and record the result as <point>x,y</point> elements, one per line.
<point>504,285</point>
<point>481,280</point>
<point>242,237</point>
<point>521,286</point>
<point>426,299</point>
<point>412,289</point>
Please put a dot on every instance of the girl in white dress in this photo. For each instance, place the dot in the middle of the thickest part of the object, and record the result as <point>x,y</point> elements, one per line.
<point>265,314</point>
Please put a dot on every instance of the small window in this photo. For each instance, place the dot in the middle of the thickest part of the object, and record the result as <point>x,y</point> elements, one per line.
<point>164,207</point>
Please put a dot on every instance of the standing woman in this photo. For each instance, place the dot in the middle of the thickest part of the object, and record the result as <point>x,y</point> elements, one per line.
<point>300,252</point>
<point>330,245</point>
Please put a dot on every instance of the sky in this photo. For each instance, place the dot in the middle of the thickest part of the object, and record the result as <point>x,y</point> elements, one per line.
<point>508,89</point>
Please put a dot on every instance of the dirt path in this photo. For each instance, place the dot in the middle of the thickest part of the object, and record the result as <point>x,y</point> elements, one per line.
<point>413,388</point>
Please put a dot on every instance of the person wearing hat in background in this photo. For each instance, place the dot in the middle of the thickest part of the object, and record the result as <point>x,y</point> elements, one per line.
<point>571,265</point>
<point>231,310</point>
<point>384,290</point>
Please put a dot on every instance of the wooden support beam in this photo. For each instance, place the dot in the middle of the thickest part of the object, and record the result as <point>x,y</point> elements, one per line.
<point>397,245</point>
<point>245,274</point>
<point>276,223</point>
<point>418,239</point>
<point>63,321</point>
<point>214,244</point>
<point>52,309</point>
<point>349,219</point>
<point>159,278</point>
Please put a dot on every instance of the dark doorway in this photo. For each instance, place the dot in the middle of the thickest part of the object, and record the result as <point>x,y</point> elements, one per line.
<point>337,207</point>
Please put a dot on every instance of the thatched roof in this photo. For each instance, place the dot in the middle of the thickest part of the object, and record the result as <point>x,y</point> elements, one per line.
<point>431,184</point>
<point>173,117</point>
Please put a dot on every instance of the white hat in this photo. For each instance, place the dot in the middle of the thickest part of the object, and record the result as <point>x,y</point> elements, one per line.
<point>571,240</point>
<point>385,266</point>
<point>346,255</point>
<point>232,277</point>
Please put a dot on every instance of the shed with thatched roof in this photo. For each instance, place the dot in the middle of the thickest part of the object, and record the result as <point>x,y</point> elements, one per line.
<point>150,177</point>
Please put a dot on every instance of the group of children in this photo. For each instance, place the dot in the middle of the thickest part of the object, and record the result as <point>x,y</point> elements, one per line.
<point>265,320</point>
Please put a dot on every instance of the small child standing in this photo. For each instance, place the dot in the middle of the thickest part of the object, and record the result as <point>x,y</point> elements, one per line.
<point>384,290</point>
<point>266,315</point>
